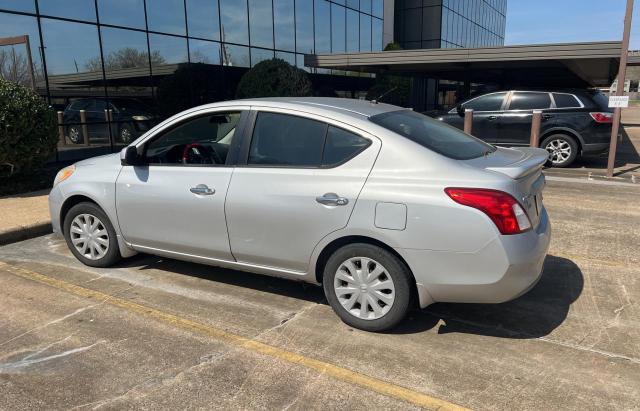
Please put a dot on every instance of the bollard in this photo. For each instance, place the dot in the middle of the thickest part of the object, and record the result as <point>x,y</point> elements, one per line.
<point>536,119</point>
<point>61,140</point>
<point>468,120</point>
<point>85,129</point>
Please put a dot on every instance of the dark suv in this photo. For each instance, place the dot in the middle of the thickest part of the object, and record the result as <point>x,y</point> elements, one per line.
<point>130,118</point>
<point>574,122</point>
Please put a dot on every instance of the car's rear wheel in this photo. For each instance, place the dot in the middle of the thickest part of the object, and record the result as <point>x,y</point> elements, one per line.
<point>91,236</point>
<point>75,134</point>
<point>562,149</point>
<point>367,286</point>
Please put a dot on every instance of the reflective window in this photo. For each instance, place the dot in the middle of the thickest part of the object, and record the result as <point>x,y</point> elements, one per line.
<point>376,35</point>
<point>284,25</point>
<point>200,141</point>
<point>236,56</point>
<point>202,51</point>
<point>365,33</point>
<point>377,8</point>
<point>565,100</point>
<point>300,63</point>
<point>166,16</point>
<point>280,139</point>
<point>127,13</point>
<point>322,29</point>
<point>365,6</point>
<point>490,102</point>
<point>167,49</point>
<point>203,19</point>
<point>14,60</point>
<point>338,33</point>
<point>70,57</point>
<point>71,9</point>
<point>304,26</point>
<point>529,101</point>
<point>353,31</point>
<point>258,55</point>
<point>288,57</point>
<point>235,27</point>
<point>28,6</point>
<point>261,23</point>
<point>126,49</point>
<point>341,145</point>
<point>354,4</point>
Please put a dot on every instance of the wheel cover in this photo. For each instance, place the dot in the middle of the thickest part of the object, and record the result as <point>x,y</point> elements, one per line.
<point>74,135</point>
<point>364,288</point>
<point>89,236</point>
<point>559,150</point>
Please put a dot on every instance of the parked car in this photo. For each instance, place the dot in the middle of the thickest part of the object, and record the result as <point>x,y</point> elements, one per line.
<point>130,118</point>
<point>574,122</point>
<point>385,207</point>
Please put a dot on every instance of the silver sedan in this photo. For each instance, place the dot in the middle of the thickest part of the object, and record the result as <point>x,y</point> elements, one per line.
<point>384,207</point>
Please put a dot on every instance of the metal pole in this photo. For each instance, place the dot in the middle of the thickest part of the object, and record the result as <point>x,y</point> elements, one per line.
<point>536,119</point>
<point>61,140</point>
<point>30,61</point>
<point>468,120</point>
<point>622,73</point>
<point>85,129</point>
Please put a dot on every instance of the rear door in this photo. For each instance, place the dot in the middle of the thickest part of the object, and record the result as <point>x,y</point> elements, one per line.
<point>300,180</point>
<point>487,112</point>
<point>515,123</point>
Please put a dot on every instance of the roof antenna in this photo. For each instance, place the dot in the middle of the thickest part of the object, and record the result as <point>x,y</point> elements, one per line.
<point>375,100</point>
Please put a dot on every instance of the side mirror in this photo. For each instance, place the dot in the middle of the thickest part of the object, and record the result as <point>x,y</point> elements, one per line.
<point>129,156</point>
<point>460,110</point>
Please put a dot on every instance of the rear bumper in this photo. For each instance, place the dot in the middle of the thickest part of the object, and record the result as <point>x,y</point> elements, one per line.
<point>504,269</point>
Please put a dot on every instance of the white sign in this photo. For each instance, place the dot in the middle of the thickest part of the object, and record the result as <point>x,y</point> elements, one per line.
<point>619,101</point>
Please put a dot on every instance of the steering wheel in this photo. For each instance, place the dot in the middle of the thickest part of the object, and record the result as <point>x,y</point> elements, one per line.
<point>195,154</point>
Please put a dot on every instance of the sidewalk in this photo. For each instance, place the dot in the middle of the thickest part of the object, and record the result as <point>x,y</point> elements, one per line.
<point>24,216</point>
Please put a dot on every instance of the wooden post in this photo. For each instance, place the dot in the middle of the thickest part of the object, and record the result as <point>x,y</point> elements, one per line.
<point>61,139</point>
<point>85,129</point>
<point>622,73</point>
<point>536,119</point>
<point>468,120</point>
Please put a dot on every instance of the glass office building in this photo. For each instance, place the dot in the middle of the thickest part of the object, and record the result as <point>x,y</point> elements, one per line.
<point>450,23</point>
<point>114,67</point>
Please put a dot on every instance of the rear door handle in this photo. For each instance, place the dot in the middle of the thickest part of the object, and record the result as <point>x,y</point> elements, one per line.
<point>546,116</point>
<point>202,190</point>
<point>332,199</point>
<point>491,118</point>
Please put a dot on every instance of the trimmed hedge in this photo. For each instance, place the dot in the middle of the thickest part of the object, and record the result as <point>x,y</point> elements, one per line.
<point>274,78</point>
<point>28,130</point>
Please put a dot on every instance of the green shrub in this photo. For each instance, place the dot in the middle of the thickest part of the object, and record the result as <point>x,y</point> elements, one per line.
<point>28,129</point>
<point>274,78</point>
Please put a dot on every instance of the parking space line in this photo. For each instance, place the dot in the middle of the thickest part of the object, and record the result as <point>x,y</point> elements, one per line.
<point>334,371</point>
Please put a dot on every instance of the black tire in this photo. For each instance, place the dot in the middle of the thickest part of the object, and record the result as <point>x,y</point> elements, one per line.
<point>75,134</point>
<point>394,267</point>
<point>112,254</point>
<point>560,141</point>
<point>126,134</point>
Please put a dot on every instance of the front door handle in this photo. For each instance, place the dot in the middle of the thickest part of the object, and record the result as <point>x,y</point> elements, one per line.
<point>546,116</point>
<point>332,199</point>
<point>491,118</point>
<point>202,190</point>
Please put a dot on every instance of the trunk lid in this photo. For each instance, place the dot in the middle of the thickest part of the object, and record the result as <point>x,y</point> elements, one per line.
<point>524,166</point>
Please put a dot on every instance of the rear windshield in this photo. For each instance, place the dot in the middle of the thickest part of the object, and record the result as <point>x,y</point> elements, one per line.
<point>433,134</point>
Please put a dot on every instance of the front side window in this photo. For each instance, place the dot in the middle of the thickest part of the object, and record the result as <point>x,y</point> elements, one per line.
<point>202,140</point>
<point>432,134</point>
<point>291,141</point>
<point>530,101</point>
<point>490,102</point>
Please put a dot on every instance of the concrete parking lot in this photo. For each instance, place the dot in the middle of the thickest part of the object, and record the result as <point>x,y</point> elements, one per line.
<point>154,333</point>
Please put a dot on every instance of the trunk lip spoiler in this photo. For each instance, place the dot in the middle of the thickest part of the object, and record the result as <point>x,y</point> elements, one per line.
<point>532,160</point>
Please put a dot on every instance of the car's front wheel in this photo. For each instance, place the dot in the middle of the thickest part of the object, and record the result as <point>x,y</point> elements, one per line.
<point>91,236</point>
<point>367,286</point>
<point>562,149</point>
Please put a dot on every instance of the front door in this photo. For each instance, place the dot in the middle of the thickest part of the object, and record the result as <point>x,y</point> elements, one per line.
<point>300,182</point>
<point>175,201</point>
<point>487,110</point>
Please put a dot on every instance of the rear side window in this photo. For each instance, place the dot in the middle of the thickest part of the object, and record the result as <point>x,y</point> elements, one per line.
<point>489,102</point>
<point>565,100</point>
<point>530,101</point>
<point>292,141</point>
<point>432,134</point>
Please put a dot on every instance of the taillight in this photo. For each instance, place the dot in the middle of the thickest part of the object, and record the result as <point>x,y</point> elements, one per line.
<point>505,212</point>
<point>602,117</point>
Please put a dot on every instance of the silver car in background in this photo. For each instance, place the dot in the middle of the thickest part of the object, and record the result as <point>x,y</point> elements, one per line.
<point>386,208</point>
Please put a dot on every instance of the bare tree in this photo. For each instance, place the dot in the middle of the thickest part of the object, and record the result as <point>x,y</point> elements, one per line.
<point>14,66</point>
<point>124,58</point>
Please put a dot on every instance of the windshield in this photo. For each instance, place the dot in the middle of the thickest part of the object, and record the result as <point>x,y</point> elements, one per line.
<point>433,134</point>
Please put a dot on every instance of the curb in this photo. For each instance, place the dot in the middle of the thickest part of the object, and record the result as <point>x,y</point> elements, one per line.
<point>25,233</point>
